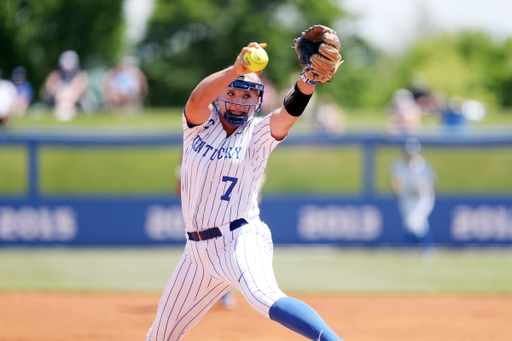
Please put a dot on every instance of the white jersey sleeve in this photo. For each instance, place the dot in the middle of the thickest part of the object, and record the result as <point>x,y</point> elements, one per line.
<point>220,174</point>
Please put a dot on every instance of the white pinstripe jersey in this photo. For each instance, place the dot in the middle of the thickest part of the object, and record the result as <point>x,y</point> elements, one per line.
<point>219,174</point>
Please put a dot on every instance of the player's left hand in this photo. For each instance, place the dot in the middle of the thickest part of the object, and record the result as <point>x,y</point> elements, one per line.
<point>318,50</point>
<point>240,65</point>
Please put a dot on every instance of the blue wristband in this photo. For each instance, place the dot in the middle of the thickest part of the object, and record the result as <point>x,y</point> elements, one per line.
<point>307,80</point>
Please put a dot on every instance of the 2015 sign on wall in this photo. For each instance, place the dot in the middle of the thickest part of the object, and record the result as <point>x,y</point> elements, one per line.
<point>32,224</point>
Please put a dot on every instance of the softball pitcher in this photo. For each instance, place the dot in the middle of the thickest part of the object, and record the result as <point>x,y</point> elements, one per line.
<point>225,151</point>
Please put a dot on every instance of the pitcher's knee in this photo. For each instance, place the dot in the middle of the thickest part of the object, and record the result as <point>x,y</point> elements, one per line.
<point>262,300</point>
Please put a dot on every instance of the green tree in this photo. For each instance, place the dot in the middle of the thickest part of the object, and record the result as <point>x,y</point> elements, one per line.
<point>501,84</point>
<point>352,84</point>
<point>188,40</point>
<point>469,64</point>
<point>35,33</point>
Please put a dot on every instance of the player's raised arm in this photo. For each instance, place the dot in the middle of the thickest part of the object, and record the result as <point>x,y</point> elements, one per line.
<point>199,104</point>
<point>318,50</point>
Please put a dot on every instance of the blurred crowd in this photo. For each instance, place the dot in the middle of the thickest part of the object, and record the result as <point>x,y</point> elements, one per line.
<point>408,107</point>
<point>69,88</point>
<point>122,88</point>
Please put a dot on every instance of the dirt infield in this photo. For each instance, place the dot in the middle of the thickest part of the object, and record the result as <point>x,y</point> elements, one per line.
<point>126,317</point>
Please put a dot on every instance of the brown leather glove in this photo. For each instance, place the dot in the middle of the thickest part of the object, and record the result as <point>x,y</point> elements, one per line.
<point>318,50</point>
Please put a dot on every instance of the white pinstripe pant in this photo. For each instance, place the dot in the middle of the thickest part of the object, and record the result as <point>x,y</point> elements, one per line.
<point>208,269</point>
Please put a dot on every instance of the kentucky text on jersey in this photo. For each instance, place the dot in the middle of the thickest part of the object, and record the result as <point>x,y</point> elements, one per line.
<point>198,144</point>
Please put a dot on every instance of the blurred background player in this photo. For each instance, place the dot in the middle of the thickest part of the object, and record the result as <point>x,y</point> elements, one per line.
<point>64,87</point>
<point>125,86</point>
<point>423,95</point>
<point>412,181</point>
<point>330,118</point>
<point>404,114</point>
<point>271,95</point>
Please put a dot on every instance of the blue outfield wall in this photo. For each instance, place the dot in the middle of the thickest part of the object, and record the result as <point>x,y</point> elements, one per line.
<point>367,219</point>
<point>115,221</point>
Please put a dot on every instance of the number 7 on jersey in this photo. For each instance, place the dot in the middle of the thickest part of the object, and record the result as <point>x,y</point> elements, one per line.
<point>230,188</point>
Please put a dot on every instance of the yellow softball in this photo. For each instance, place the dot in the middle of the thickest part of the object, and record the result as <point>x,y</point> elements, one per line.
<point>256,60</point>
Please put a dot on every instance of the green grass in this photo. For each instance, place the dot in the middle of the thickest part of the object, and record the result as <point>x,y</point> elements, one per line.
<point>472,169</point>
<point>377,271</point>
<point>13,169</point>
<point>459,170</point>
<point>100,170</point>
<point>313,169</point>
<point>171,118</point>
<point>297,270</point>
<point>150,117</point>
<point>334,170</point>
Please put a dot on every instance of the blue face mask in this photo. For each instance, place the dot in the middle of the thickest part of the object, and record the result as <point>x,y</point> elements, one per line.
<point>240,119</point>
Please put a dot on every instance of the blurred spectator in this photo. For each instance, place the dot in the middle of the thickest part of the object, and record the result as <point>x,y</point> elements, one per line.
<point>452,116</point>
<point>7,98</point>
<point>24,89</point>
<point>271,101</point>
<point>404,114</point>
<point>473,110</point>
<point>423,95</point>
<point>125,86</point>
<point>330,118</point>
<point>65,87</point>
<point>413,181</point>
<point>93,99</point>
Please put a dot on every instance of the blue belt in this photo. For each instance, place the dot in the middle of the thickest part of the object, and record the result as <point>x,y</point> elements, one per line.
<point>215,232</point>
